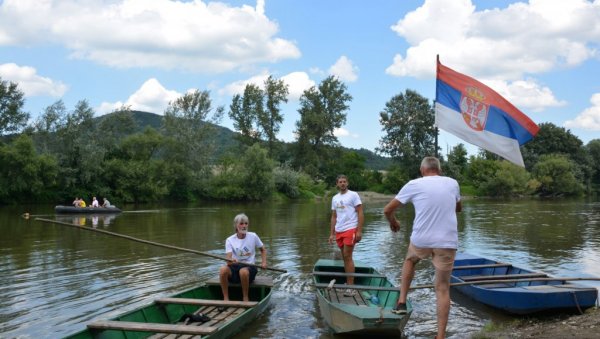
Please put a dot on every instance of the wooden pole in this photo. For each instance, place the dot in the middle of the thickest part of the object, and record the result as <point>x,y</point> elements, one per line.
<point>477,282</point>
<point>152,243</point>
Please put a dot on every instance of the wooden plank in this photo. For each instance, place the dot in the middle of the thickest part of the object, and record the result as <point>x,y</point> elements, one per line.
<point>207,302</point>
<point>150,327</point>
<point>342,274</point>
<point>359,287</point>
<point>469,267</point>
<point>259,281</point>
<point>499,277</point>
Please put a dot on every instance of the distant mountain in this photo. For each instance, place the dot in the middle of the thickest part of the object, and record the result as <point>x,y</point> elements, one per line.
<point>226,140</point>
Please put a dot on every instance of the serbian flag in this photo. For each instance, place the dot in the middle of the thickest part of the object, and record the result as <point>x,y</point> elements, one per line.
<point>477,114</point>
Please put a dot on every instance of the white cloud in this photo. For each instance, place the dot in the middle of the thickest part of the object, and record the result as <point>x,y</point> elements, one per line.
<point>344,69</point>
<point>342,132</point>
<point>191,35</point>
<point>500,45</point>
<point>30,83</point>
<point>589,119</point>
<point>150,97</point>
<point>526,94</point>
<point>238,87</point>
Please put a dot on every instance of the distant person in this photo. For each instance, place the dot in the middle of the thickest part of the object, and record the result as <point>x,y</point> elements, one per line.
<point>106,203</point>
<point>76,202</point>
<point>95,202</point>
<point>240,248</point>
<point>436,200</point>
<point>82,203</point>
<point>346,225</point>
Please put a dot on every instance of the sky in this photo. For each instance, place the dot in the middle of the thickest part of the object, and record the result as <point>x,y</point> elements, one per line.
<point>543,56</point>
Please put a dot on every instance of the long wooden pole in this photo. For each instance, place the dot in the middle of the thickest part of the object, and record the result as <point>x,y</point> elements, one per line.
<point>151,242</point>
<point>476,282</point>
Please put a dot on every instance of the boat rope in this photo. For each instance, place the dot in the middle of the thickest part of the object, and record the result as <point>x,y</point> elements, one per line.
<point>576,302</point>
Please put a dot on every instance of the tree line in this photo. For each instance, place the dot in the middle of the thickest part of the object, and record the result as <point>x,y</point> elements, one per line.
<point>65,152</point>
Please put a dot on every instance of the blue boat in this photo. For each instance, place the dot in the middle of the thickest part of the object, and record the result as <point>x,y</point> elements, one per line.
<point>516,290</point>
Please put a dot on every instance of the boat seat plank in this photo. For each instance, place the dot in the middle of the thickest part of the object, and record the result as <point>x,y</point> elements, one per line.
<point>499,277</point>
<point>259,281</point>
<point>469,267</point>
<point>207,302</point>
<point>150,327</point>
<point>343,274</point>
<point>359,287</point>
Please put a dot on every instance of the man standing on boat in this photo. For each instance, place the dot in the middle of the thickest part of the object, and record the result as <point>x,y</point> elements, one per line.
<point>436,200</point>
<point>346,225</point>
<point>240,248</point>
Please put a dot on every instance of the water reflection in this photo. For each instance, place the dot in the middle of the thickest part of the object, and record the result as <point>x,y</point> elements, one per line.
<point>93,220</point>
<point>63,277</point>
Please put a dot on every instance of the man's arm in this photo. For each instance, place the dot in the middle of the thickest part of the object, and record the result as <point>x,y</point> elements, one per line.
<point>458,206</point>
<point>263,257</point>
<point>361,220</point>
<point>332,226</point>
<point>389,210</point>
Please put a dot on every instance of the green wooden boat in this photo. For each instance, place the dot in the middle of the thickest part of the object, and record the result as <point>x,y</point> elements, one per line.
<point>366,313</point>
<point>161,319</point>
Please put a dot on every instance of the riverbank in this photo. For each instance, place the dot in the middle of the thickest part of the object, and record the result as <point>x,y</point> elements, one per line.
<point>584,326</point>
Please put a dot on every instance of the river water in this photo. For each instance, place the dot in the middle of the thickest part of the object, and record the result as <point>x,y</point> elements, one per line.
<point>55,279</point>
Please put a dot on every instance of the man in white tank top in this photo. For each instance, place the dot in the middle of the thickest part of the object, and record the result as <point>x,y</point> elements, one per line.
<point>436,200</point>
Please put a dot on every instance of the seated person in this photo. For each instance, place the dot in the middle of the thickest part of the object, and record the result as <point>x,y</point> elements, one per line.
<point>82,203</point>
<point>240,248</point>
<point>106,203</point>
<point>95,202</point>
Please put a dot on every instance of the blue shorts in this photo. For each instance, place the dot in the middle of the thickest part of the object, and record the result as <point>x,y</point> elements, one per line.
<point>235,272</point>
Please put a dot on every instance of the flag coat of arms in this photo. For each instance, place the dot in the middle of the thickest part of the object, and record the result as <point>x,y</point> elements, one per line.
<point>477,114</point>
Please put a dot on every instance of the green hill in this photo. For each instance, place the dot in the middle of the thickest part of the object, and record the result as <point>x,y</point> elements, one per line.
<point>225,140</point>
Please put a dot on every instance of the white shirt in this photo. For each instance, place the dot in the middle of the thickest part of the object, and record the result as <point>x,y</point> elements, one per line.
<point>95,203</point>
<point>344,206</point>
<point>243,250</point>
<point>434,198</point>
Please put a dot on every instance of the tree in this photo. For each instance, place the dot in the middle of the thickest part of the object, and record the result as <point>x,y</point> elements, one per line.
<point>322,111</point>
<point>12,117</point>
<point>555,174</point>
<point>593,150</point>
<point>47,126</point>
<point>189,125</point>
<point>270,119</point>
<point>407,120</point>
<point>457,163</point>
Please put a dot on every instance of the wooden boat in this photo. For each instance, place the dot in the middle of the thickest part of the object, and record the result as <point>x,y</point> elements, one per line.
<point>60,209</point>
<point>535,293</point>
<point>162,318</point>
<point>369,311</point>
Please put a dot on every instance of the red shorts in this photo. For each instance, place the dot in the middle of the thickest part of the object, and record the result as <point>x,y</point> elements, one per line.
<point>345,238</point>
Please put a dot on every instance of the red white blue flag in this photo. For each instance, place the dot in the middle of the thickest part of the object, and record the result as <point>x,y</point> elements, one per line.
<point>477,114</point>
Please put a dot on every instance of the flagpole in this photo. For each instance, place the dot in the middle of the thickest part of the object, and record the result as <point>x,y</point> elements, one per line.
<point>437,131</point>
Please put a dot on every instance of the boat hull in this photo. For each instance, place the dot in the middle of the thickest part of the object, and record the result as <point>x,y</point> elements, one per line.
<point>359,314</point>
<point>526,297</point>
<point>225,321</point>
<point>60,209</point>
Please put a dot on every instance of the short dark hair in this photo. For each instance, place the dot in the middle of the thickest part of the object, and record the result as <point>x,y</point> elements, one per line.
<point>341,176</point>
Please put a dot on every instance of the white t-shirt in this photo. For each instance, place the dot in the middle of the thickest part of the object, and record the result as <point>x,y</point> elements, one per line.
<point>434,198</point>
<point>243,250</point>
<point>345,210</point>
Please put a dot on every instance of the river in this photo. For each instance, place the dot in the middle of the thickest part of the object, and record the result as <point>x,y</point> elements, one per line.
<point>55,279</point>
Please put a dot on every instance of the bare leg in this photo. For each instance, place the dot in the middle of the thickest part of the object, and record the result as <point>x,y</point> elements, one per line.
<point>442,294</point>
<point>224,274</point>
<point>348,262</point>
<point>245,281</point>
<point>408,273</point>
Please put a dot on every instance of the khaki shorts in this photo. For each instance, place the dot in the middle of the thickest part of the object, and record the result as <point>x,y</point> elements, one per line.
<point>442,258</point>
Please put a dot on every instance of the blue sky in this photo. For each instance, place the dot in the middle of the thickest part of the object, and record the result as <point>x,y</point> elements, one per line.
<point>543,56</point>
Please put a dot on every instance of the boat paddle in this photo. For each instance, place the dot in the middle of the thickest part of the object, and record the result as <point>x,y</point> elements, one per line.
<point>152,243</point>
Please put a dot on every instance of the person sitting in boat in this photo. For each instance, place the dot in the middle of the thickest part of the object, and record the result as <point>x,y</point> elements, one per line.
<point>95,202</point>
<point>106,203</point>
<point>82,203</point>
<point>240,249</point>
<point>76,202</point>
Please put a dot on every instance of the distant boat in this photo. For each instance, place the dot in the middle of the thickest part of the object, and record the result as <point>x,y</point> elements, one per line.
<point>369,312</point>
<point>211,316</point>
<point>523,297</point>
<point>60,209</point>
